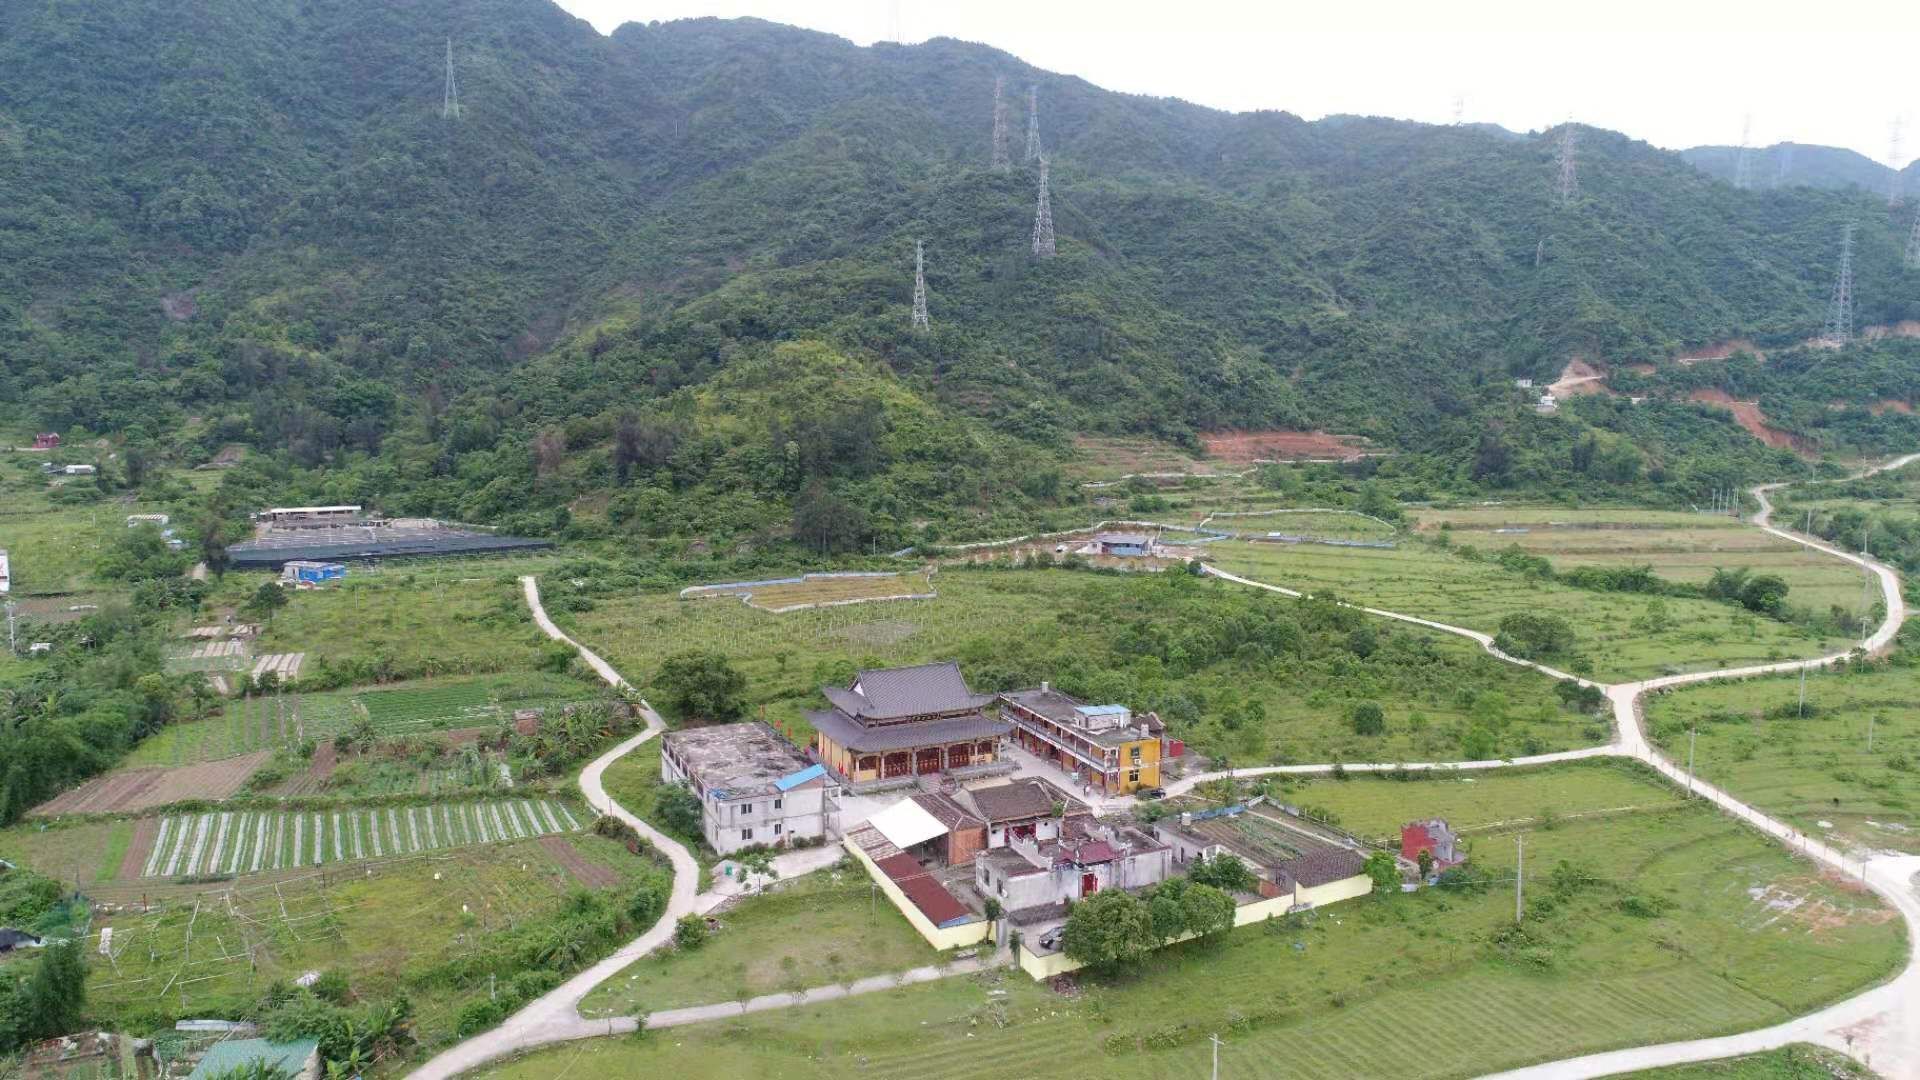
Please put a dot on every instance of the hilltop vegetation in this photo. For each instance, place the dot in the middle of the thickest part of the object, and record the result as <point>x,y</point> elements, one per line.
<point>590,294</point>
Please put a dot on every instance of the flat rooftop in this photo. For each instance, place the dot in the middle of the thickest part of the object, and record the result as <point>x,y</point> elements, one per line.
<point>1061,709</point>
<point>737,760</point>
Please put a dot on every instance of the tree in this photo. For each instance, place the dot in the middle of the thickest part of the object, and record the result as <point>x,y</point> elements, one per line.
<point>678,808</point>
<point>257,1069</point>
<point>824,521</point>
<point>1223,871</point>
<point>690,932</point>
<point>1108,929</point>
<point>1426,864</point>
<point>702,685</point>
<point>56,992</point>
<point>1369,719</point>
<point>1532,637</point>
<point>1764,593</point>
<point>1384,871</point>
<point>266,600</point>
<point>213,547</point>
<point>1209,911</point>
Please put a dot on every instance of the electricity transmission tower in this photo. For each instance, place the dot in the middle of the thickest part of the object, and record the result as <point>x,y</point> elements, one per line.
<point>919,286</point>
<point>450,100</point>
<point>1840,312</point>
<point>1000,160</point>
<point>1459,108</point>
<point>1033,123</point>
<point>1893,160</point>
<point>1782,164</point>
<point>1043,219</point>
<point>1743,165</point>
<point>1913,243</point>
<point>1569,181</point>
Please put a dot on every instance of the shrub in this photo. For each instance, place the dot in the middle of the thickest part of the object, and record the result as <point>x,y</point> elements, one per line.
<point>690,932</point>
<point>1369,719</point>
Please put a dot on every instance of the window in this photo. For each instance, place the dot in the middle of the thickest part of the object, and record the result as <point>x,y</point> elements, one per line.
<point>746,808</point>
<point>776,804</point>
<point>1136,755</point>
<point>777,828</point>
<point>1133,776</point>
<point>746,834</point>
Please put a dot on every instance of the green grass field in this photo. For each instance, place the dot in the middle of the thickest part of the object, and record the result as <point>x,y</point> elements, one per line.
<point>454,618</point>
<point>1801,1061</point>
<point>827,927</point>
<point>1447,588</point>
<point>1676,935</point>
<point>1751,740</point>
<point>1681,547</point>
<point>1013,628</point>
<point>634,782</point>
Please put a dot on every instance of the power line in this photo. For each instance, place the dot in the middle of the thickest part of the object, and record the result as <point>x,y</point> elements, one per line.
<point>999,152</point>
<point>1033,123</point>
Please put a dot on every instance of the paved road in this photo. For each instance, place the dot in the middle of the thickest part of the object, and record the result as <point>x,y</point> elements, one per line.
<point>555,1016</point>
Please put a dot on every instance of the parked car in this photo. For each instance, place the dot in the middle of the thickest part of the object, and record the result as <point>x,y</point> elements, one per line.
<point>1152,793</point>
<point>1052,938</point>
<point>1059,549</point>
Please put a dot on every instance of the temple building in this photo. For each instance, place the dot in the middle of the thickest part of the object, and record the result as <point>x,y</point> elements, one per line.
<point>905,722</point>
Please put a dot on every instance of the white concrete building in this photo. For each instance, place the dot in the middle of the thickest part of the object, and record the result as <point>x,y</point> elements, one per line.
<point>755,787</point>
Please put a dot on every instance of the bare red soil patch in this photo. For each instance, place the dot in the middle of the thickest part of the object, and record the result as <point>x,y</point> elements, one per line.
<point>129,790</point>
<point>1577,378</point>
<point>145,831</point>
<point>1747,414</point>
<point>1890,405</point>
<point>1720,350</point>
<point>1903,328</point>
<point>1248,447</point>
<point>592,875</point>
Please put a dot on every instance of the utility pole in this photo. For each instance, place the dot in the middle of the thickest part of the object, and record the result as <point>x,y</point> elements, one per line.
<point>1000,162</point>
<point>1743,164</point>
<point>919,286</point>
<point>1043,219</point>
<point>12,645</point>
<point>1869,733</point>
<point>1803,693</point>
<point>1839,329</point>
<point>1033,123</point>
<point>1215,1039</point>
<point>1569,180</point>
<point>450,98</point>
<point>1519,876</point>
<point>1691,731</point>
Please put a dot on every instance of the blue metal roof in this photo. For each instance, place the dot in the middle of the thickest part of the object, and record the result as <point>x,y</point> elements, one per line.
<point>794,780</point>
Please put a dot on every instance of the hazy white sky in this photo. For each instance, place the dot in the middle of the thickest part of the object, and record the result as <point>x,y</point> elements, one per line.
<point>1673,72</point>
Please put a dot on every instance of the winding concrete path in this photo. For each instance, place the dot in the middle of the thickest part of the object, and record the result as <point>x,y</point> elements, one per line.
<point>555,1016</point>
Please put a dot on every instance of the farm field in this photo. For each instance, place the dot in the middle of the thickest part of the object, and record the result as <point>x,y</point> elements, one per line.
<point>818,929</point>
<point>1897,491</point>
<point>1679,546</point>
<point>249,842</point>
<point>1447,588</point>
<point>1751,740</point>
<point>271,721</point>
<point>391,926</point>
<point>1296,521</point>
<point>778,596</point>
<point>1675,931</point>
<point>53,547</point>
<point>388,623</point>
<point>1374,807</point>
<point>1009,629</point>
<point>127,791</point>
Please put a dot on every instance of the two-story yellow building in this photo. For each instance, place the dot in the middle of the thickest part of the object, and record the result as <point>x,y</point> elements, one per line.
<point>1104,746</point>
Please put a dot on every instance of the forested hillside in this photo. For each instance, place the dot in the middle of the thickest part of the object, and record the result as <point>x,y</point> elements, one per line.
<point>677,261</point>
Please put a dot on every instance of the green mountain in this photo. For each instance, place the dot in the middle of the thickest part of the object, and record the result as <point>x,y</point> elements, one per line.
<point>249,221</point>
<point>1790,164</point>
